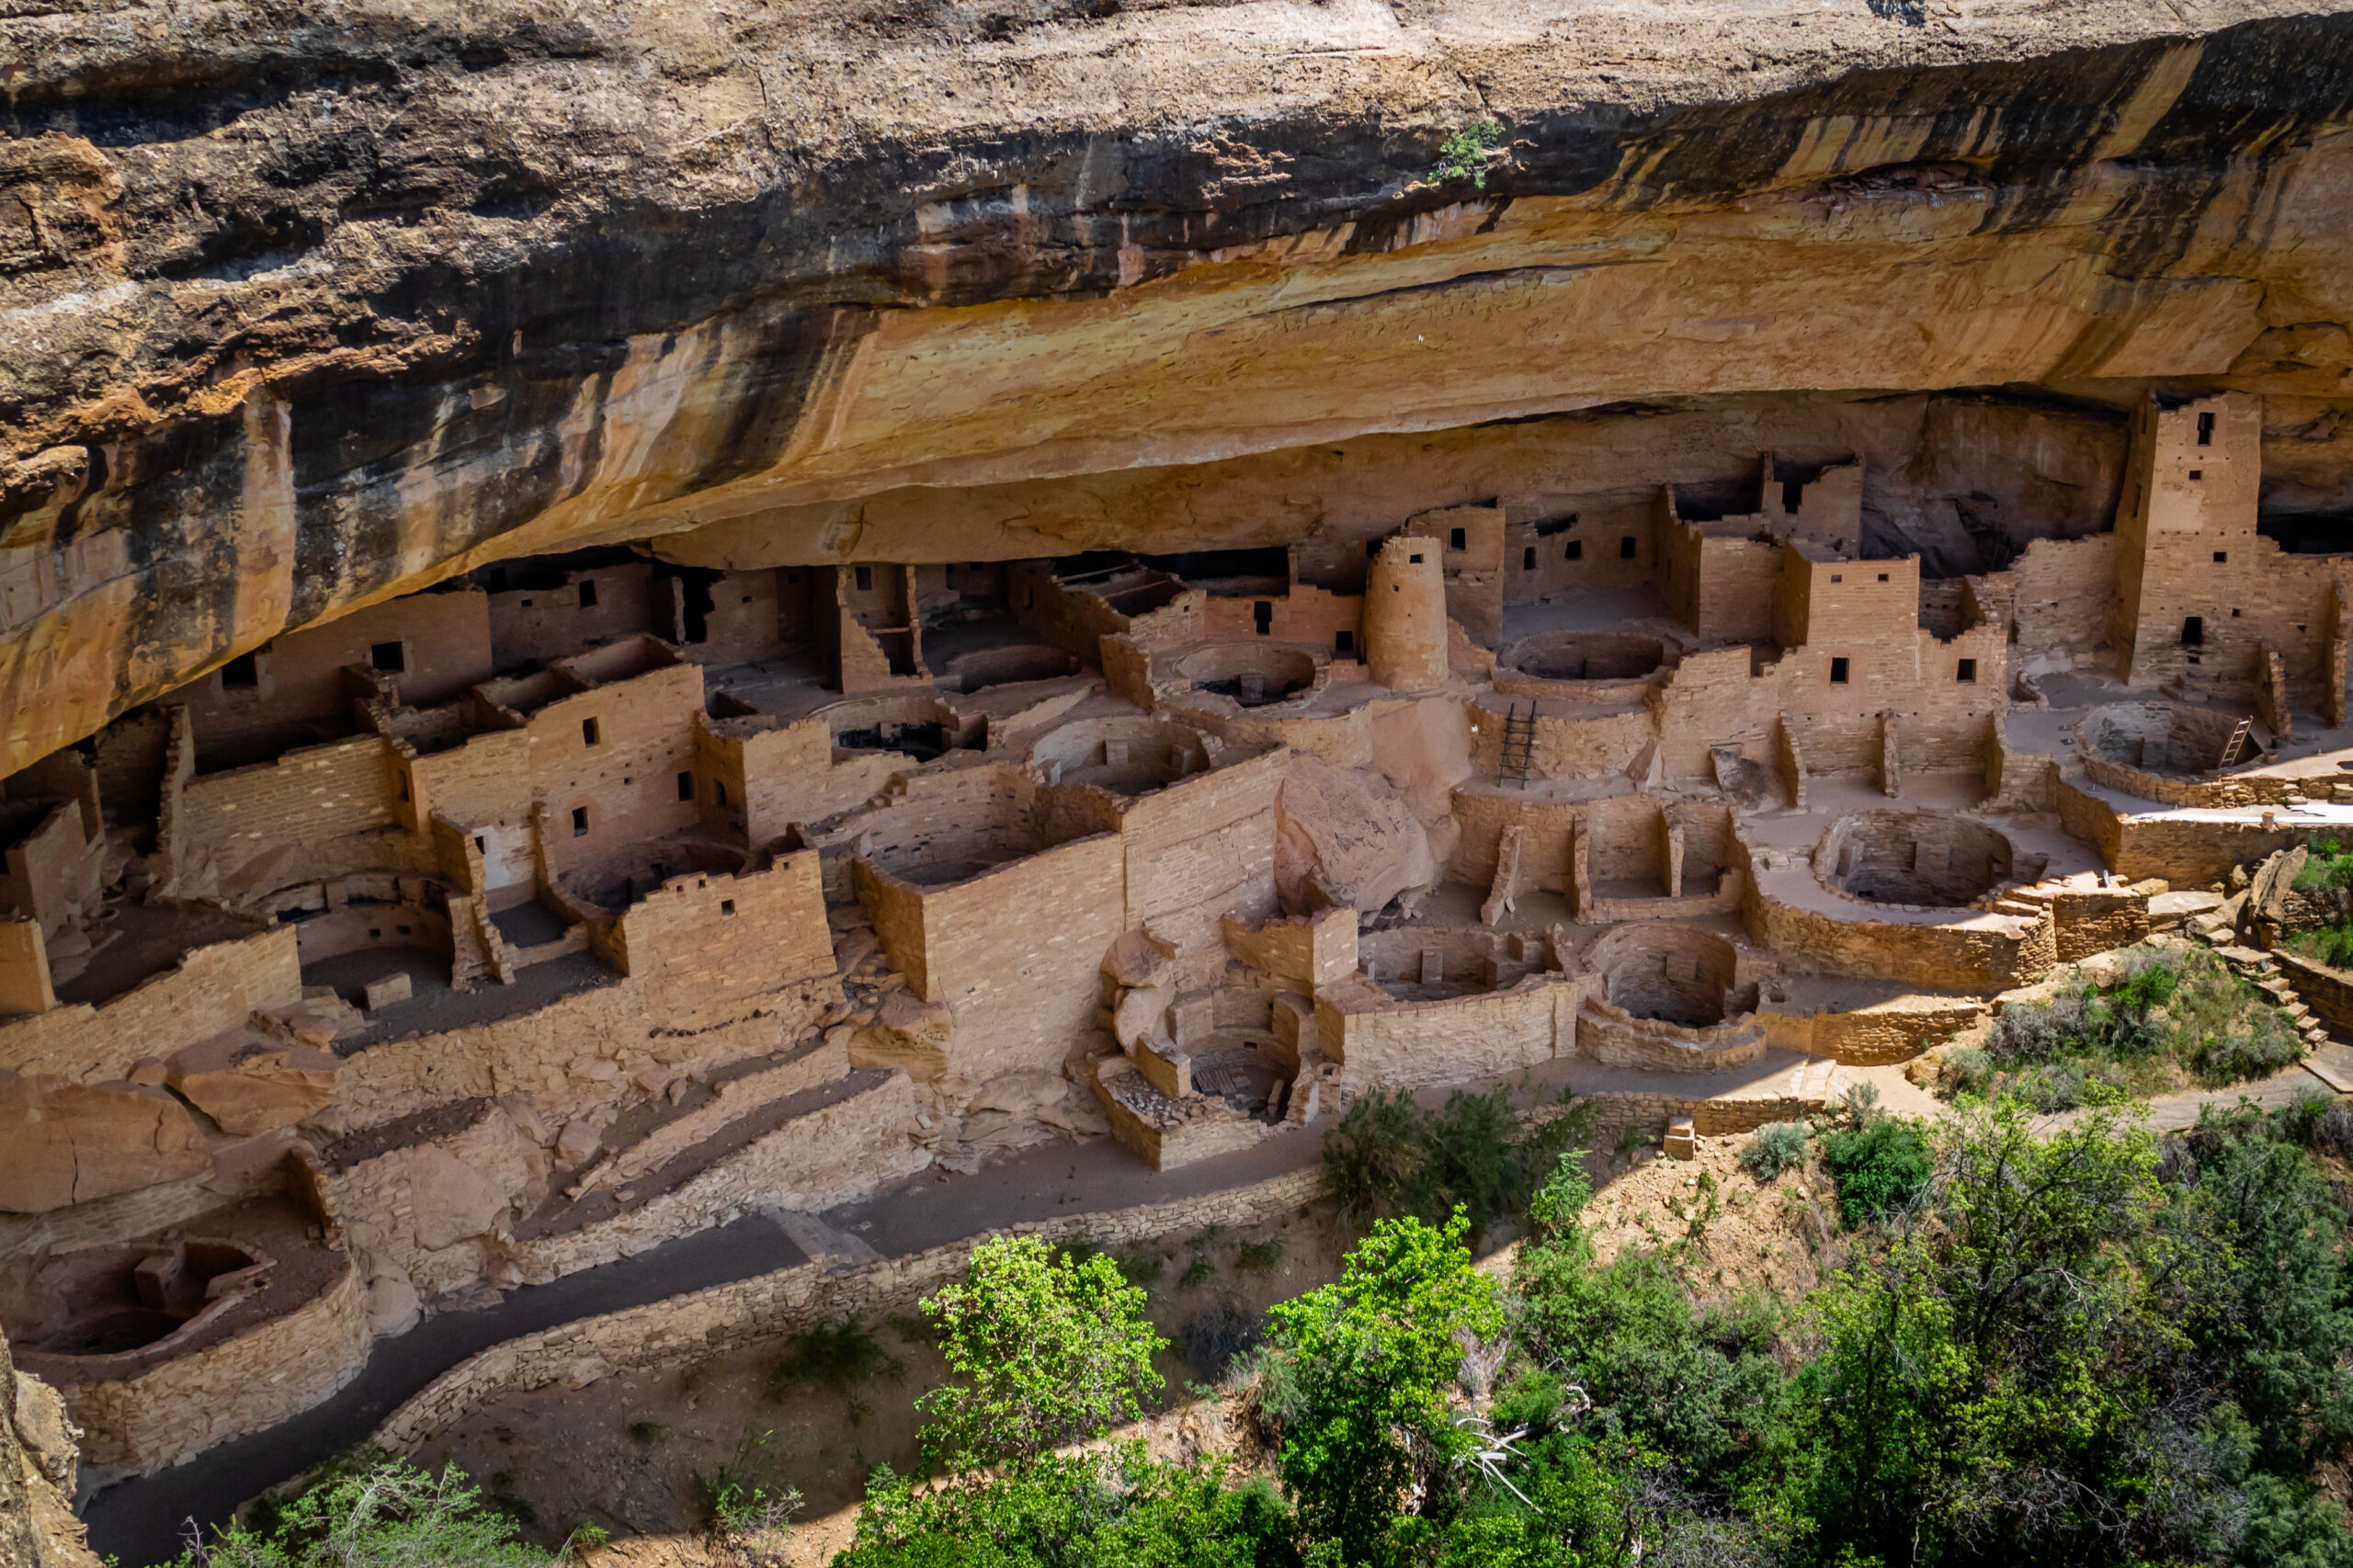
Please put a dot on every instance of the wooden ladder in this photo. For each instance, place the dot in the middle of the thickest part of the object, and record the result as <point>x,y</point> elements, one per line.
<point>2232,752</point>
<point>1520,745</point>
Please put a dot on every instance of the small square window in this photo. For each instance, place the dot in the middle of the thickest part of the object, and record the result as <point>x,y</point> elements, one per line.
<point>1575,551</point>
<point>375,930</point>
<point>391,657</point>
<point>243,670</point>
<point>1456,540</point>
<point>1837,672</point>
<point>526,604</point>
<point>579,822</point>
<point>1882,576</point>
<point>588,594</point>
<point>865,577</point>
<point>588,731</point>
<point>2196,474</point>
<point>685,786</point>
<point>1528,559</point>
<point>726,906</point>
<point>1626,547</point>
<point>1837,576</point>
<point>405,930</point>
<point>2221,556</point>
<point>1967,673</point>
<point>1415,560</point>
<point>2235,615</point>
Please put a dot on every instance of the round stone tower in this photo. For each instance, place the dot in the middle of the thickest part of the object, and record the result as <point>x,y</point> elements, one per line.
<point>1404,616</point>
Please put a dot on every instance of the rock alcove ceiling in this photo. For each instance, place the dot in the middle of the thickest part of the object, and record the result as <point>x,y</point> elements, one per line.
<point>304,312</point>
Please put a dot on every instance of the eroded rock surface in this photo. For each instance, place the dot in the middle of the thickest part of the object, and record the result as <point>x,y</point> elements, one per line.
<point>306,313</point>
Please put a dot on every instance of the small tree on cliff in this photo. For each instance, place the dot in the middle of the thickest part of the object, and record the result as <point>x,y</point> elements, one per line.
<point>1051,1350</point>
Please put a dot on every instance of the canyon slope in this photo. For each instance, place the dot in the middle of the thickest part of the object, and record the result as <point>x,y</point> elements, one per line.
<point>310,307</point>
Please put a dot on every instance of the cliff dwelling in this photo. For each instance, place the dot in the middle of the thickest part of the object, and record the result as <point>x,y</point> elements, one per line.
<point>662,711</point>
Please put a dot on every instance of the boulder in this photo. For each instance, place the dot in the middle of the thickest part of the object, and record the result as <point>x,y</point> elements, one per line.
<point>393,1305</point>
<point>249,1083</point>
<point>1345,838</point>
<point>1142,1015</point>
<point>71,1143</point>
<point>907,1033</point>
<point>1021,1094</point>
<point>51,1439</point>
<point>1139,959</point>
<point>577,1140</point>
<point>448,1199</point>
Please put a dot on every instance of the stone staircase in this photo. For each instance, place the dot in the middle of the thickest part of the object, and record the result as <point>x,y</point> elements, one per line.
<point>2260,971</point>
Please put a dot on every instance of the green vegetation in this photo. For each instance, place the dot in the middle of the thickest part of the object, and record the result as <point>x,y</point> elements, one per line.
<point>746,1515</point>
<point>2092,1344</point>
<point>1259,1257</point>
<point>1778,1146</point>
<point>2178,1017</point>
<point>839,1356</point>
<point>1051,1351</point>
<point>387,1515</point>
<point>1463,155</point>
<point>1881,1162</point>
<point>1388,1157</point>
<point>2327,877</point>
<point>648,1434</point>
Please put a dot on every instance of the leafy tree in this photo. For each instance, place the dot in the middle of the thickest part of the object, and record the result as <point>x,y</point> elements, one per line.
<point>389,1514</point>
<point>1106,1510</point>
<point>1625,1350</point>
<point>1372,1440</point>
<point>1882,1166</point>
<point>2004,1382</point>
<point>2271,1305</point>
<point>1389,1157</point>
<point>1053,1349</point>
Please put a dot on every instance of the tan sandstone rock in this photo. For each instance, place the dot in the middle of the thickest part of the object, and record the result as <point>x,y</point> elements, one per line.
<point>1345,838</point>
<point>249,1083</point>
<point>450,1200</point>
<point>72,1142</point>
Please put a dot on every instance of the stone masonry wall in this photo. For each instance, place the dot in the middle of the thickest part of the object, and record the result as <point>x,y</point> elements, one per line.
<point>211,990</point>
<point>248,1384</point>
<point>787,1300</point>
<point>256,829</point>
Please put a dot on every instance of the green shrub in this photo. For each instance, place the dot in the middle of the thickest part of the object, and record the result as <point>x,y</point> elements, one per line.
<point>1778,1146</point>
<point>839,1356</point>
<point>385,1515</point>
<point>1142,1270</point>
<point>1882,1166</point>
<point>1199,1269</point>
<point>1968,1070</point>
<point>648,1434</point>
<point>1390,1158</point>
<point>1259,1257</point>
<point>2331,945</point>
<point>1463,155</point>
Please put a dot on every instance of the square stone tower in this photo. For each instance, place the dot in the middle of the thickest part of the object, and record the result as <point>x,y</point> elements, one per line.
<point>2192,599</point>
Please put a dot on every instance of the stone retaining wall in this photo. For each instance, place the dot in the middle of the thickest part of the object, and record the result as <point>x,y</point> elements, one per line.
<point>784,1301</point>
<point>250,1383</point>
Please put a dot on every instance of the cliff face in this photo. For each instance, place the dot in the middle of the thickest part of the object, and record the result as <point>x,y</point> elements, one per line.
<point>306,308</point>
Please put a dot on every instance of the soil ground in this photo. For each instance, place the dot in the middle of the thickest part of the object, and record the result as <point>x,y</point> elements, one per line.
<point>625,1453</point>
